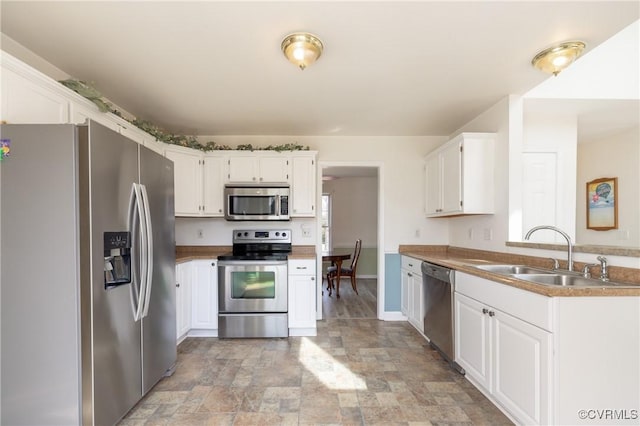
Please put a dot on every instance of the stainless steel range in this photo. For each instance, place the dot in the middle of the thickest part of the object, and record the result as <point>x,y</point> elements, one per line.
<point>252,292</point>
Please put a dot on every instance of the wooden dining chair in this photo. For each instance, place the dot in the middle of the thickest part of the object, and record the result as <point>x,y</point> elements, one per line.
<point>332,271</point>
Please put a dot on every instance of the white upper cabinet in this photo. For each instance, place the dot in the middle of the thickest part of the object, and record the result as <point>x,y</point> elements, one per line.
<point>303,188</point>
<point>459,176</point>
<point>29,96</point>
<point>213,185</point>
<point>258,168</point>
<point>198,181</point>
<point>187,170</point>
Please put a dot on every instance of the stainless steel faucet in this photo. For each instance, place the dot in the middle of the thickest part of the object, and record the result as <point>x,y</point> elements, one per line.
<point>604,273</point>
<point>561,232</point>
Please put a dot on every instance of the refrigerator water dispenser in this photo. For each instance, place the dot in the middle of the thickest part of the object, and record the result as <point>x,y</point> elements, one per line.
<point>117,259</point>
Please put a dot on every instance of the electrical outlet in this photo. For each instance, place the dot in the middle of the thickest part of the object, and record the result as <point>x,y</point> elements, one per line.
<point>418,233</point>
<point>200,233</point>
<point>306,232</point>
<point>488,234</point>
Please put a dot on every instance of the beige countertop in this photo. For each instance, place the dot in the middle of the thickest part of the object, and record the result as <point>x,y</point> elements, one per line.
<point>461,262</point>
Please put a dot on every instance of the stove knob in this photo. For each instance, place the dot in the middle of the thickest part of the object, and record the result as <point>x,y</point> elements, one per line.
<point>284,234</point>
<point>246,234</point>
<point>239,234</point>
<point>277,234</point>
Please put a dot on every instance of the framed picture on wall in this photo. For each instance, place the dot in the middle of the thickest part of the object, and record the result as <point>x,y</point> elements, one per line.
<point>602,204</point>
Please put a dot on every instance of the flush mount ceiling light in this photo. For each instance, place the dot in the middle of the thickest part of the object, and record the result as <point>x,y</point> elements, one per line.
<point>556,58</point>
<point>302,49</point>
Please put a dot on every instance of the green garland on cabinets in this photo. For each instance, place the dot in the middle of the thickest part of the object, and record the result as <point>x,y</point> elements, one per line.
<point>90,93</point>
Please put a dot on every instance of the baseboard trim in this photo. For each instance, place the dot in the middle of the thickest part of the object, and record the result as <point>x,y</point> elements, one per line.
<point>393,316</point>
<point>202,333</point>
<point>301,332</point>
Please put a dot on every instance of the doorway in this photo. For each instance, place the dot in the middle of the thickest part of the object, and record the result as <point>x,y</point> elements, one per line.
<point>354,191</point>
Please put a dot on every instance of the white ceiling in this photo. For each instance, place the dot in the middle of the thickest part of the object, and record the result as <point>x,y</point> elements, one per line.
<point>389,68</point>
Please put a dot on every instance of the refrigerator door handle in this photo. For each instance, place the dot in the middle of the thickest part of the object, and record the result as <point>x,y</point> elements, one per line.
<point>149,243</point>
<point>133,225</point>
<point>136,211</point>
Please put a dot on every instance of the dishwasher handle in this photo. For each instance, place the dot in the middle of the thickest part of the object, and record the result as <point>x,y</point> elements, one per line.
<point>436,271</point>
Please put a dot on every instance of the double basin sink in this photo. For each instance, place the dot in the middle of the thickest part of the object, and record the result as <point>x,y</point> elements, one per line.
<point>548,277</point>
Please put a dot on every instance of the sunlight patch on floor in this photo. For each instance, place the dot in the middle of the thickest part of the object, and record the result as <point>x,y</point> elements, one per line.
<point>330,372</point>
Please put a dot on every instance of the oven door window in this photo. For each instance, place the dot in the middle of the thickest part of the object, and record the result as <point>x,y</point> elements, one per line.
<point>260,205</point>
<point>253,285</point>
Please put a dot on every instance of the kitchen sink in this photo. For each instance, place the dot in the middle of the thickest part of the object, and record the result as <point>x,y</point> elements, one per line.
<point>568,280</point>
<point>512,269</point>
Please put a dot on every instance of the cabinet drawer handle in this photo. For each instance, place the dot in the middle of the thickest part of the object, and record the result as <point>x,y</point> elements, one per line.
<point>485,311</point>
<point>301,267</point>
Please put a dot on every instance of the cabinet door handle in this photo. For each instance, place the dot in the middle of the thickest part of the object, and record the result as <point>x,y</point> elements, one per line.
<point>177,284</point>
<point>313,278</point>
<point>492,314</point>
<point>409,274</point>
<point>213,263</point>
<point>485,311</point>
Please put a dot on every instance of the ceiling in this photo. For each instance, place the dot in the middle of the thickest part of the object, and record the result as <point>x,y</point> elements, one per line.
<point>389,68</point>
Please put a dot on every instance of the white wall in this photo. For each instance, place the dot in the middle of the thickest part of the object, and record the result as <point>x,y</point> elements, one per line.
<point>614,156</point>
<point>354,210</point>
<point>402,161</point>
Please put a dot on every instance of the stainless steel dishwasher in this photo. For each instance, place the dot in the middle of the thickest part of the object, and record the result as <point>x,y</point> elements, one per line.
<point>438,286</point>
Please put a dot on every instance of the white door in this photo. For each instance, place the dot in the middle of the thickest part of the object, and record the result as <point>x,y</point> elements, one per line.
<point>274,169</point>
<point>187,181</point>
<point>416,302</point>
<point>303,194</point>
<point>521,354</point>
<point>242,169</point>
<point>473,337</point>
<point>183,298</point>
<point>213,185</point>
<point>404,292</point>
<point>451,178</point>
<point>302,301</point>
<point>204,295</point>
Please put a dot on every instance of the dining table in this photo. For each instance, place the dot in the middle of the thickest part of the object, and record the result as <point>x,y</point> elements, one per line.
<point>336,258</point>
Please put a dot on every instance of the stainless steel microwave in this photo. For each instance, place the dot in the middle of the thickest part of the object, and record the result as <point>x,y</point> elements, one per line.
<point>253,202</point>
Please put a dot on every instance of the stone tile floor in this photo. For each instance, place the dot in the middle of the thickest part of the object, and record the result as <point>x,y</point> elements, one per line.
<point>355,372</point>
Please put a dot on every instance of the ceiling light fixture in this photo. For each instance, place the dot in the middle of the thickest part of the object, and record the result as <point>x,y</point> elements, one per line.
<point>302,49</point>
<point>556,58</point>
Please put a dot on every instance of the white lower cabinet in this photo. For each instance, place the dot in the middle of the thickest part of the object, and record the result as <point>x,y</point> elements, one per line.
<point>302,297</point>
<point>204,295</point>
<point>505,356</point>
<point>550,360</point>
<point>183,300</point>
<point>197,299</point>
<point>412,299</point>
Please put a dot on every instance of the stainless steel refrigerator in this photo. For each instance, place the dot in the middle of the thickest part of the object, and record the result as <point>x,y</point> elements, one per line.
<point>87,274</point>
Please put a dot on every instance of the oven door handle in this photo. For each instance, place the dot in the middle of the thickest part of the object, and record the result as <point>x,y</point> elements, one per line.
<point>252,263</point>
